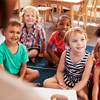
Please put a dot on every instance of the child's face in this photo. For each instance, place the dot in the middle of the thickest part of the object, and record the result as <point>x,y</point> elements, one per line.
<point>29,18</point>
<point>63,26</point>
<point>77,42</point>
<point>12,34</point>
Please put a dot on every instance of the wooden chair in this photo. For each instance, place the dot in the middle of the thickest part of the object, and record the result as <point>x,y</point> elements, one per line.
<point>93,7</point>
<point>80,12</point>
<point>57,8</point>
<point>45,10</point>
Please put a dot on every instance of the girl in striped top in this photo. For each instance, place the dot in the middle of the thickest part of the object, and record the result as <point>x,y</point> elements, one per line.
<point>75,65</point>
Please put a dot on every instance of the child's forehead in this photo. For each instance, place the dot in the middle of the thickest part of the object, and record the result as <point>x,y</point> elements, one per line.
<point>13,27</point>
<point>30,10</point>
<point>77,34</point>
<point>33,12</point>
<point>63,19</point>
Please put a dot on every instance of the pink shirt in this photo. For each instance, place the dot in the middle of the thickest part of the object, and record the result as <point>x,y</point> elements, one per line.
<point>59,43</point>
<point>98,40</point>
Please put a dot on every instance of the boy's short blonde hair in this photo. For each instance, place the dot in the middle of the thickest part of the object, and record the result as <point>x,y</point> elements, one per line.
<point>14,22</point>
<point>74,31</point>
<point>32,9</point>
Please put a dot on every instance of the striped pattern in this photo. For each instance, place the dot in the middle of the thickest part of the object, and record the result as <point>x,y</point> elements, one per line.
<point>73,72</point>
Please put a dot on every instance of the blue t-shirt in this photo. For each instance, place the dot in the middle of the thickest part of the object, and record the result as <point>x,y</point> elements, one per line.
<point>12,63</point>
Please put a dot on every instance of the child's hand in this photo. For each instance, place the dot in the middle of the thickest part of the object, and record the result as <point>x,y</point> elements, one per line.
<point>40,55</point>
<point>55,61</point>
<point>63,86</point>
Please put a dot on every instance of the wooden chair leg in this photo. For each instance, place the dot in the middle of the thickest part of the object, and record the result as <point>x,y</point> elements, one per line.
<point>44,17</point>
<point>62,10</point>
<point>90,16</point>
<point>52,9</point>
<point>41,15</point>
<point>59,12</point>
<point>51,16</point>
<point>84,22</point>
<point>95,15</point>
<point>78,21</point>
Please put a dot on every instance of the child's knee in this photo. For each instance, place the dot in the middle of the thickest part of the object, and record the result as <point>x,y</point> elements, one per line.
<point>46,82</point>
<point>37,73</point>
<point>45,54</point>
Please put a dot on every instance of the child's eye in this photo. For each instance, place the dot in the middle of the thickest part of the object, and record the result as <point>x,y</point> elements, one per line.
<point>74,40</point>
<point>82,39</point>
<point>27,15</point>
<point>18,32</point>
<point>11,32</point>
<point>67,25</point>
<point>61,24</point>
<point>32,15</point>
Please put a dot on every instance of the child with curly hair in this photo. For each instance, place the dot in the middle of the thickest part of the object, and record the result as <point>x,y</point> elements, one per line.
<point>32,33</point>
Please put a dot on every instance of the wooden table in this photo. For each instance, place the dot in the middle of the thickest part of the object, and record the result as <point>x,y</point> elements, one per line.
<point>67,3</point>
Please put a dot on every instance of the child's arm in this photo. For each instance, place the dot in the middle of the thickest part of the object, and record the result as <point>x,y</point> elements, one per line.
<point>86,74</point>
<point>2,67</point>
<point>96,83</point>
<point>95,51</point>
<point>60,70</point>
<point>23,70</point>
<point>53,55</point>
<point>43,49</point>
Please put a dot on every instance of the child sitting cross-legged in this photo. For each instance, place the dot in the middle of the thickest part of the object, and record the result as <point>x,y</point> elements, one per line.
<point>75,65</point>
<point>32,33</point>
<point>57,39</point>
<point>13,55</point>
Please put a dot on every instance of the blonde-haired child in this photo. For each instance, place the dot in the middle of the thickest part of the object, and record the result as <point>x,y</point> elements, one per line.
<point>32,33</point>
<point>75,65</point>
<point>13,55</point>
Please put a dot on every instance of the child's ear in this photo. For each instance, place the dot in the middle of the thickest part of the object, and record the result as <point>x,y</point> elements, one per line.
<point>56,26</point>
<point>2,31</point>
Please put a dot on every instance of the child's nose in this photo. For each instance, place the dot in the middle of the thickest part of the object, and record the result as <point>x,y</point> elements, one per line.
<point>79,42</point>
<point>15,34</point>
<point>30,16</point>
<point>64,26</point>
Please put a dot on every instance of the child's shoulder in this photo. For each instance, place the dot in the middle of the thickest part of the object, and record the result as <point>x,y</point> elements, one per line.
<point>3,45</point>
<point>87,52</point>
<point>98,40</point>
<point>22,46</point>
<point>55,33</point>
<point>37,26</point>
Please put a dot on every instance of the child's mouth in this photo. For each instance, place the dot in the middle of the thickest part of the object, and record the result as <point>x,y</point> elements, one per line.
<point>64,31</point>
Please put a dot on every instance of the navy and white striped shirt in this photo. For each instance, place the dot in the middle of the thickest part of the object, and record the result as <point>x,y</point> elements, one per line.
<point>73,72</point>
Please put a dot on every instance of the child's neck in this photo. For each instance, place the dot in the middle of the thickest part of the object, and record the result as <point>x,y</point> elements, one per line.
<point>12,47</point>
<point>28,27</point>
<point>61,37</point>
<point>76,57</point>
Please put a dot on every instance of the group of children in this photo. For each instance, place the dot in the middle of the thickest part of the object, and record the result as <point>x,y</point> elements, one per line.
<point>74,64</point>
